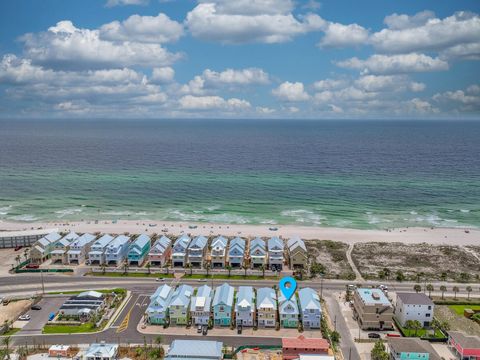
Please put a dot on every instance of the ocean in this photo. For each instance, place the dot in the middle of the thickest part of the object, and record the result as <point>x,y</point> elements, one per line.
<point>353,174</point>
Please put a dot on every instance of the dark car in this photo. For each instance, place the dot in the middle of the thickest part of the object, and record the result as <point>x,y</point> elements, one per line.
<point>36,307</point>
<point>205,330</point>
<point>374,336</point>
<point>18,247</point>
<point>239,329</point>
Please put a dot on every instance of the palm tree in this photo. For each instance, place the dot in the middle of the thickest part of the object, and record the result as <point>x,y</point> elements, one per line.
<point>25,254</point>
<point>245,267</point>
<point>409,325</point>
<point>125,267</point>
<point>18,259</point>
<point>229,268</point>
<point>469,290</point>
<point>104,268</point>
<point>430,288</point>
<point>189,266</point>
<point>148,266</point>
<point>263,270</point>
<point>435,325</point>
<point>456,290</point>
<point>417,288</point>
<point>416,326</point>
<point>6,344</point>
<point>165,266</point>
<point>444,326</point>
<point>207,268</point>
<point>387,273</point>
<point>443,288</point>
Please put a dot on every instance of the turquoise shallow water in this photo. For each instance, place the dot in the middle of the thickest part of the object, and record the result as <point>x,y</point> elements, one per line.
<point>366,174</point>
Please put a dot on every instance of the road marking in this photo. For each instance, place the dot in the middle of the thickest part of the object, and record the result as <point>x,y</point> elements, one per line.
<point>124,324</point>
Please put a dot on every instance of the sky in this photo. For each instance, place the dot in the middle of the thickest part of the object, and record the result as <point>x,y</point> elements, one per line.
<point>240,59</point>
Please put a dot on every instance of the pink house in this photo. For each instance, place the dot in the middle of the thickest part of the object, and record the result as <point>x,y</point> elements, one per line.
<point>160,252</point>
<point>463,346</point>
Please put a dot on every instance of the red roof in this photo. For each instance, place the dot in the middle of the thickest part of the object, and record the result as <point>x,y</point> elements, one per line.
<point>305,343</point>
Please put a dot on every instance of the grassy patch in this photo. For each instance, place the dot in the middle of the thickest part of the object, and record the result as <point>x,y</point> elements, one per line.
<point>423,333</point>
<point>232,277</point>
<point>460,308</point>
<point>69,329</point>
<point>118,291</point>
<point>135,274</point>
<point>12,331</point>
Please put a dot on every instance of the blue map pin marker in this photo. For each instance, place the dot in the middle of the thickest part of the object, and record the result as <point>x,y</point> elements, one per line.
<point>290,290</point>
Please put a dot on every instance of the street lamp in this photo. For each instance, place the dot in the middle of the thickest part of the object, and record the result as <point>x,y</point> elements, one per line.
<point>321,286</point>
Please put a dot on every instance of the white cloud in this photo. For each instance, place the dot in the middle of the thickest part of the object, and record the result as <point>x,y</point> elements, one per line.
<point>424,33</point>
<point>236,77</point>
<point>329,84</point>
<point>162,74</point>
<point>265,110</point>
<point>189,102</point>
<point>420,106</point>
<point>148,29</point>
<point>258,21</point>
<point>291,91</point>
<point>68,47</point>
<point>375,83</point>
<point>402,21</point>
<point>395,64</point>
<point>339,35</point>
<point>112,3</point>
<point>461,100</point>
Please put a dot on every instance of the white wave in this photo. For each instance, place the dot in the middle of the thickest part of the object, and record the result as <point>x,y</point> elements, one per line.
<point>464,210</point>
<point>213,207</point>
<point>5,210</point>
<point>65,212</point>
<point>117,213</point>
<point>226,218</point>
<point>268,222</point>
<point>25,217</point>
<point>413,212</point>
<point>304,216</point>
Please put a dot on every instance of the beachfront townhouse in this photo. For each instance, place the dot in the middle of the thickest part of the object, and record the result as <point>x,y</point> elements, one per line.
<point>245,306</point>
<point>258,253</point>
<point>310,308</point>
<point>157,310</point>
<point>96,255</point>
<point>288,311</point>
<point>160,252</point>
<point>138,250</point>
<point>117,250</point>
<point>266,307</point>
<point>200,306</point>
<point>236,252</point>
<point>372,309</point>
<point>60,248</point>
<point>411,349</point>
<point>79,248</point>
<point>218,253</point>
<point>297,253</point>
<point>275,253</point>
<point>464,346</point>
<point>223,305</point>
<point>414,306</point>
<point>41,249</point>
<point>179,252</point>
<point>102,351</point>
<point>197,251</point>
<point>179,305</point>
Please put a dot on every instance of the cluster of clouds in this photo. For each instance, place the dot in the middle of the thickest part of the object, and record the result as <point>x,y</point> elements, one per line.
<point>127,63</point>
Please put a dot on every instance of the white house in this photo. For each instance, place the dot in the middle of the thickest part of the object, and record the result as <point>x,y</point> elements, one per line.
<point>245,306</point>
<point>79,248</point>
<point>200,305</point>
<point>96,255</point>
<point>310,308</point>
<point>258,253</point>
<point>117,250</point>
<point>197,251</point>
<point>102,351</point>
<point>266,307</point>
<point>218,253</point>
<point>288,311</point>
<point>157,310</point>
<point>275,253</point>
<point>236,252</point>
<point>60,248</point>
<point>414,306</point>
<point>179,251</point>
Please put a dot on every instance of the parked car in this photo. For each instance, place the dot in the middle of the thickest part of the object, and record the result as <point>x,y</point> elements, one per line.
<point>202,280</point>
<point>373,336</point>
<point>393,335</point>
<point>25,317</point>
<point>32,266</point>
<point>160,279</point>
<point>239,329</point>
<point>205,330</point>
<point>18,247</point>
<point>36,307</point>
<point>199,329</point>
<point>51,316</point>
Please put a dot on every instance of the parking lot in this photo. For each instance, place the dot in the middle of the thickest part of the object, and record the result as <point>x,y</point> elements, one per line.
<point>40,317</point>
<point>7,259</point>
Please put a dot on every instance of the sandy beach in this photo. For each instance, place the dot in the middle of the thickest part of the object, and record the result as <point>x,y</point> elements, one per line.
<point>451,236</point>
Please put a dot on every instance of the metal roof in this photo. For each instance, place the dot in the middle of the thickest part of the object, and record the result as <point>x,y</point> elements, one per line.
<point>195,349</point>
<point>309,299</point>
<point>223,295</point>
<point>266,298</point>
<point>245,297</point>
<point>414,298</point>
<point>198,242</point>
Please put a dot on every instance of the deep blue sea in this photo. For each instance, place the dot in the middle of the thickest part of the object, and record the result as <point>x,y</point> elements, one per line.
<point>358,174</point>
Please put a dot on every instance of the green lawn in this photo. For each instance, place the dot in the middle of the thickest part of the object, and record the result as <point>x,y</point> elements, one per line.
<point>76,292</point>
<point>135,274</point>
<point>460,308</point>
<point>12,331</point>
<point>69,329</point>
<point>422,333</point>
<point>225,276</point>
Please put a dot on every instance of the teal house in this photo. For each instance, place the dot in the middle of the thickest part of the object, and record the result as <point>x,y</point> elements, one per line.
<point>223,305</point>
<point>411,349</point>
<point>138,250</point>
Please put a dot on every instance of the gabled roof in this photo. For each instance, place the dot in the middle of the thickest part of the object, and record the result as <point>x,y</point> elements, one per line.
<point>266,298</point>
<point>309,299</point>
<point>203,299</point>
<point>274,243</point>
<point>161,245</point>
<point>139,243</point>
<point>302,342</point>
<point>52,237</point>
<point>119,241</point>
<point>181,296</point>
<point>244,297</point>
<point>67,239</point>
<point>160,300</point>
<point>414,298</point>
<point>464,340</point>
<point>412,345</point>
<point>181,243</point>
<point>83,240</point>
<point>102,350</point>
<point>223,295</point>
<point>288,306</point>
<point>257,243</point>
<point>237,245</point>
<point>195,349</point>
<point>219,242</point>
<point>198,242</point>
<point>296,242</point>
<point>103,241</point>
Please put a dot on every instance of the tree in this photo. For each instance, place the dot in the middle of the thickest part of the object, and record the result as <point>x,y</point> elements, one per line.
<point>229,269</point>
<point>409,325</point>
<point>125,267</point>
<point>416,325</point>
<point>316,269</point>
<point>335,337</point>
<point>245,267</point>
<point>25,254</point>
<point>263,270</point>
<point>444,326</point>
<point>443,288</point>
<point>189,266</point>
<point>469,290</point>
<point>6,344</point>
<point>400,277</point>
<point>387,273</point>
<point>166,266</point>
<point>104,268</point>
<point>207,267</point>
<point>18,259</point>
<point>379,351</point>
<point>148,266</point>
<point>430,288</point>
<point>443,276</point>
<point>417,288</point>
<point>435,325</point>
<point>456,290</point>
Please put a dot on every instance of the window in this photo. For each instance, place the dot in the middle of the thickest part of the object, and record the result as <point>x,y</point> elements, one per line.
<point>427,315</point>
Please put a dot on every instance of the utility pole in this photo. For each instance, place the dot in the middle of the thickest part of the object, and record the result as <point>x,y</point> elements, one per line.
<point>43,284</point>
<point>350,354</point>
<point>321,286</point>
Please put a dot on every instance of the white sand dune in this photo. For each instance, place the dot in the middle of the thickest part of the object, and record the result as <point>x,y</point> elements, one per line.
<point>452,236</point>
